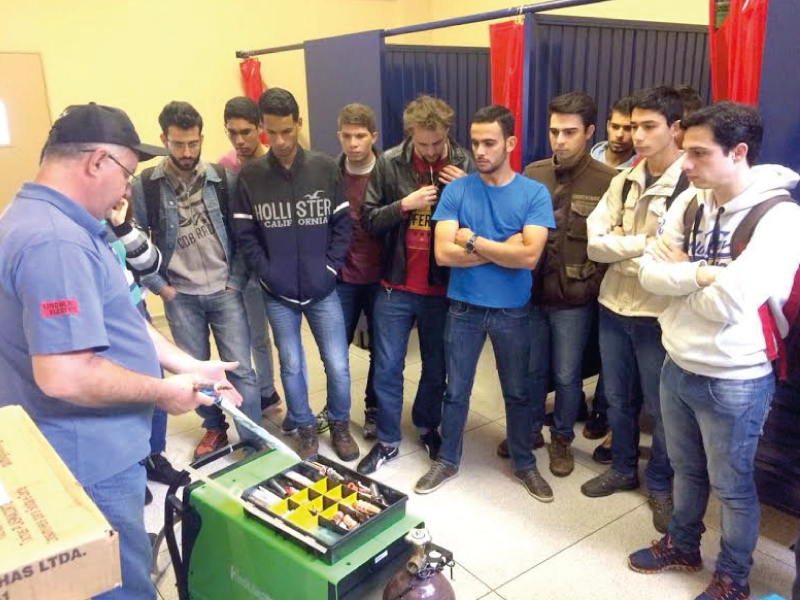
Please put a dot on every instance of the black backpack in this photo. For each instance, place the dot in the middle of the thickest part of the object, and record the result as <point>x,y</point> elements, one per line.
<point>680,187</point>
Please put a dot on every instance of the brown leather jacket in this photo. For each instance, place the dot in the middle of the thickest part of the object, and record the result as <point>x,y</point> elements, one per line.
<point>565,276</point>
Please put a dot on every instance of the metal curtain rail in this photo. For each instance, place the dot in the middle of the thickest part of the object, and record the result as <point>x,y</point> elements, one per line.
<point>488,16</point>
<point>485,16</point>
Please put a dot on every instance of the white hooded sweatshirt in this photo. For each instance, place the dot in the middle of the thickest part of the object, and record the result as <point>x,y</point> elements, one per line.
<point>716,331</point>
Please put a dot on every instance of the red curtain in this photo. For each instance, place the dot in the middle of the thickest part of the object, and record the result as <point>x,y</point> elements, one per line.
<point>505,57</point>
<point>252,83</point>
<point>251,78</point>
<point>736,50</point>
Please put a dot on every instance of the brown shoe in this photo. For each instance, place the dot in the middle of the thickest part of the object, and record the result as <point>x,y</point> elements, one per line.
<point>214,439</point>
<point>309,441</point>
<point>343,443</point>
<point>561,460</point>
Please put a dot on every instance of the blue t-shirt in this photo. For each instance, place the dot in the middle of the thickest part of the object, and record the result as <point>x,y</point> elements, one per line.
<point>61,290</point>
<point>494,213</point>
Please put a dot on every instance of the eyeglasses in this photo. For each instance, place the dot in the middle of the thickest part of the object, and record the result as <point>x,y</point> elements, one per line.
<point>130,174</point>
<point>180,146</point>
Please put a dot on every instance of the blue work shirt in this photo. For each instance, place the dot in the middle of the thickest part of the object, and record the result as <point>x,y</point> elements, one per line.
<point>494,213</point>
<point>61,290</point>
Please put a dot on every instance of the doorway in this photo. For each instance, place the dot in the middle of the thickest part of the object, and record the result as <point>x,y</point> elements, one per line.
<point>24,116</point>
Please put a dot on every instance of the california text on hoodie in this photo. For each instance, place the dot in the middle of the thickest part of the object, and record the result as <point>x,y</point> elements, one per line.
<point>639,215</point>
<point>292,225</point>
<point>716,331</point>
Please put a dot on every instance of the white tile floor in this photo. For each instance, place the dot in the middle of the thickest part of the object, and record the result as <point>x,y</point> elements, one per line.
<point>506,544</point>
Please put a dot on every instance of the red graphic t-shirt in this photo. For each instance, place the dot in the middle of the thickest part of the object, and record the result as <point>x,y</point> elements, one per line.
<point>418,234</point>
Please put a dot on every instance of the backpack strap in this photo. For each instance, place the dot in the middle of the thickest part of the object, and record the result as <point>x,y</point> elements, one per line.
<point>680,186</point>
<point>775,345</point>
<point>222,188</point>
<point>689,218</point>
<point>744,231</point>
<point>151,189</point>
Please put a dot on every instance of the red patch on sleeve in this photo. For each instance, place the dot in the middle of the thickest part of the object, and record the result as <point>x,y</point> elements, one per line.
<point>59,308</point>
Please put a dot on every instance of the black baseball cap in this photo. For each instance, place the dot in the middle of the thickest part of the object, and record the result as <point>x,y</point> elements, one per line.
<point>96,124</point>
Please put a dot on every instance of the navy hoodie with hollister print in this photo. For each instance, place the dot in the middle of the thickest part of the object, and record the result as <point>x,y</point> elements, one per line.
<point>292,225</point>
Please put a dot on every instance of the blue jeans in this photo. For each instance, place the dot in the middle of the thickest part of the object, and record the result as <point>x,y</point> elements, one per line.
<point>121,500</point>
<point>627,343</point>
<point>260,343</point>
<point>713,426</point>
<point>559,338</point>
<point>327,326</point>
<point>465,334</point>
<point>190,318</point>
<point>395,313</point>
<point>355,299</point>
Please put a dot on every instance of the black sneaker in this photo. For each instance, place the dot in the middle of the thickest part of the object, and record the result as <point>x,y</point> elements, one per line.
<point>159,469</point>
<point>602,454</point>
<point>663,556</point>
<point>535,484</point>
<point>661,505</point>
<point>596,425</point>
<point>502,447</point>
<point>436,477</point>
<point>607,483</point>
<point>432,442</point>
<point>370,429</point>
<point>288,427</point>
<point>380,453</point>
<point>271,401</point>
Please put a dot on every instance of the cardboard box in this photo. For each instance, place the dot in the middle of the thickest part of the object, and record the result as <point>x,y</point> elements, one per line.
<point>54,542</point>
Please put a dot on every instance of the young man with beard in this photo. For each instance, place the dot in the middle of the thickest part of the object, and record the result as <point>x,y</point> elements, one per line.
<point>403,189</point>
<point>243,127</point>
<point>617,150</point>
<point>357,281</point>
<point>625,220</point>
<point>183,205</point>
<point>491,230</point>
<point>292,223</point>
<point>725,298</point>
<point>567,284</point>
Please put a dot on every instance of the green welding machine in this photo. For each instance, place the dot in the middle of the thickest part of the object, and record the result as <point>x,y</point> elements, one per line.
<point>273,528</point>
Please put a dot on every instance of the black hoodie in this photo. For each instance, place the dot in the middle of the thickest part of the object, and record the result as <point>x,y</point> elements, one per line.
<point>292,225</point>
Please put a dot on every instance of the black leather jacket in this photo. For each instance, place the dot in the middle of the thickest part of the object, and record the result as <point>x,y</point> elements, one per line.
<point>392,179</point>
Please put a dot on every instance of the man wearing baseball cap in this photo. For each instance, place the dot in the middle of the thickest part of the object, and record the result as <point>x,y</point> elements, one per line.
<point>74,351</point>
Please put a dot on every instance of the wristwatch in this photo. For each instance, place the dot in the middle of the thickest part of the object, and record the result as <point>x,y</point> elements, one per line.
<point>470,245</point>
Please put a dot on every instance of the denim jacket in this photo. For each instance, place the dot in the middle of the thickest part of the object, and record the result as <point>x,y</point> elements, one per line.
<point>165,232</point>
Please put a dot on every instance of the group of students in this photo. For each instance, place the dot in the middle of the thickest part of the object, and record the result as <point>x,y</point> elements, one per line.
<point>455,242</point>
<point>681,281</point>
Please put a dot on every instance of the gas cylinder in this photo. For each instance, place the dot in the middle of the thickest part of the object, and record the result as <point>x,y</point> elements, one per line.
<point>421,577</point>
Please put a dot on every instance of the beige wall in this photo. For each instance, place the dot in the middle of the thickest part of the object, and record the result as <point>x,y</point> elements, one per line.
<point>140,54</point>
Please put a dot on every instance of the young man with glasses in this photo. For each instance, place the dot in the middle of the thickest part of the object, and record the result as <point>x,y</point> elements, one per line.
<point>243,127</point>
<point>183,204</point>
